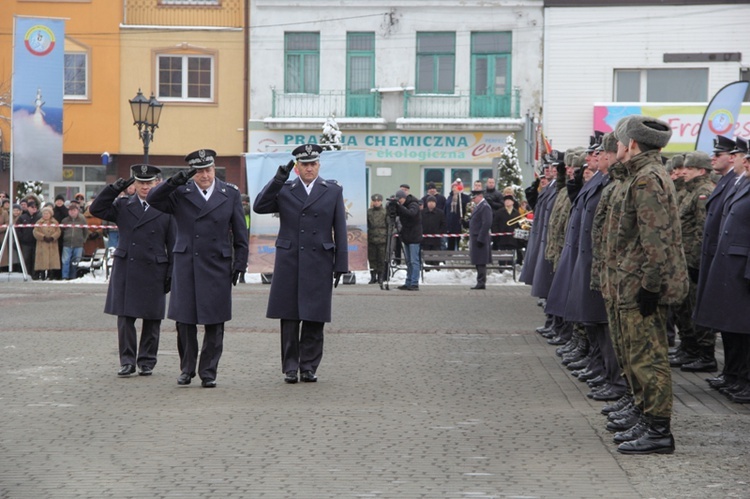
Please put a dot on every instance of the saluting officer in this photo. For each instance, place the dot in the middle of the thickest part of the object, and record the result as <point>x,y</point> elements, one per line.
<point>311,251</point>
<point>210,223</point>
<point>141,269</point>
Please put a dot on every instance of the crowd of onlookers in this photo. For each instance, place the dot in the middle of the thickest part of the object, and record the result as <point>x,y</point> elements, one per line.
<point>53,236</point>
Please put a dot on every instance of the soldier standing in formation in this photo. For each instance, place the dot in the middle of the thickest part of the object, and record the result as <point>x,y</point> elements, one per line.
<point>311,256</point>
<point>210,230</point>
<point>142,267</point>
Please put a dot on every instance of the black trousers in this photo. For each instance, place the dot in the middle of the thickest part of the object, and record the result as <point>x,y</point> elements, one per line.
<point>301,348</point>
<point>210,353</point>
<point>481,275</point>
<point>127,338</point>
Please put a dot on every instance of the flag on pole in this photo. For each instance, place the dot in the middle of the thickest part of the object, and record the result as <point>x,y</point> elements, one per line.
<point>37,97</point>
<point>721,115</point>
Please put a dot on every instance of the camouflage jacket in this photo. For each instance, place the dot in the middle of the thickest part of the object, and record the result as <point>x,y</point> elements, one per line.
<point>558,221</point>
<point>681,191</point>
<point>693,217</point>
<point>376,225</point>
<point>607,216</point>
<point>648,238</point>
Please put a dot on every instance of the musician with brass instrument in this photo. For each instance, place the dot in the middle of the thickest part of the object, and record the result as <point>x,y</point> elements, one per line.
<point>507,219</point>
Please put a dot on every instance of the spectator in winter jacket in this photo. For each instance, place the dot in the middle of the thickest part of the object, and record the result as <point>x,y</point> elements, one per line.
<point>47,257</point>
<point>73,239</point>
<point>410,216</point>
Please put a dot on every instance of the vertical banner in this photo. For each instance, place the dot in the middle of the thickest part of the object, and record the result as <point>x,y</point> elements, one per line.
<point>721,115</point>
<point>346,167</point>
<point>37,96</point>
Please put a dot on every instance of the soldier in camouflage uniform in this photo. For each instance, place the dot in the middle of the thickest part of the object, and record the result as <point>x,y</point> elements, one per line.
<point>673,165</point>
<point>651,274</point>
<point>697,344</point>
<point>376,235</point>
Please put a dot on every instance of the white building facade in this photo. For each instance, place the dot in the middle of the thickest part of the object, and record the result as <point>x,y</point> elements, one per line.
<point>429,89</point>
<point>607,59</point>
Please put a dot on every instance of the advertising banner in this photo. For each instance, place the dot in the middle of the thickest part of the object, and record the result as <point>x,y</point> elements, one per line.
<point>37,95</point>
<point>345,167</point>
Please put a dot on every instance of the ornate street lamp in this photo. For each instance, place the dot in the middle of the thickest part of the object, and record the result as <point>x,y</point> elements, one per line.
<point>146,114</point>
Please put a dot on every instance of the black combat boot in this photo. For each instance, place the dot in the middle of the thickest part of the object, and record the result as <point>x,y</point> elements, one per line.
<point>706,362</point>
<point>618,405</point>
<point>634,432</point>
<point>686,354</point>
<point>373,277</point>
<point>657,439</point>
<point>629,419</point>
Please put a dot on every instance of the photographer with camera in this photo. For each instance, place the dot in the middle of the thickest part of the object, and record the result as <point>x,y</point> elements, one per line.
<point>406,207</point>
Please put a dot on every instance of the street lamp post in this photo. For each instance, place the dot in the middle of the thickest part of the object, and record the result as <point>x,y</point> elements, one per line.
<point>146,114</point>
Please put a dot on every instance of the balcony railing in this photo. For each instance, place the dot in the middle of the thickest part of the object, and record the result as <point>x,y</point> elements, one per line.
<point>324,104</point>
<point>213,13</point>
<point>462,105</point>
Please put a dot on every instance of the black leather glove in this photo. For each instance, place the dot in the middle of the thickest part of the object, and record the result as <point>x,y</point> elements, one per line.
<point>94,235</point>
<point>693,274</point>
<point>647,302</point>
<point>560,167</point>
<point>236,277</point>
<point>182,177</point>
<point>282,173</point>
<point>337,278</point>
<point>121,184</point>
<point>167,285</point>
<point>535,183</point>
<point>48,239</point>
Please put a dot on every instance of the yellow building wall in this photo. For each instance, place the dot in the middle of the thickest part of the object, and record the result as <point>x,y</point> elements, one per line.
<point>185,126</point>
<point>90,126</point>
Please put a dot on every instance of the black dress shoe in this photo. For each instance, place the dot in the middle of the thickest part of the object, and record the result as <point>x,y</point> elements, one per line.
<point>308,377</point>
<point>742,397</point>
<point>290,377</point>
<point>612,393</point>
<point>549,334</point>
<point>413,288</point>
<point>557,340</point>
<point>543,329</point>
<point>184,379</point>
<point>145,371</point>
<point>477,287</point>
<point>618,405</point>
<point>403,287</point>
<point>598,381</point>
<point>701,366</point>
<point>126,370</point>
<point>208,383</point>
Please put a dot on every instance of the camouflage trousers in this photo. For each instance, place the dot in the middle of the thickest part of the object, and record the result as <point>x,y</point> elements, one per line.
<point>693,338</point>
<point>376,256</point>
<point>616,335</point>
<point>645,355</point>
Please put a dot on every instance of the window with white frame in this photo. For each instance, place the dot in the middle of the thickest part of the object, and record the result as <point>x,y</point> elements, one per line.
<point>185,77</point>
<point>661,85</point>
<point>76,75</point>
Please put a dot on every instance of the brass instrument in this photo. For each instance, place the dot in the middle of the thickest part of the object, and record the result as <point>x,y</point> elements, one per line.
<point>524,226</point>
<point>519,219</point>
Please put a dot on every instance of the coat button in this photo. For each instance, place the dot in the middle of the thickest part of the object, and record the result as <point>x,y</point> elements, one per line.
<point>302,231</point>
<point>197,236</point>
<point>196,253</point>
<point>301,248</point>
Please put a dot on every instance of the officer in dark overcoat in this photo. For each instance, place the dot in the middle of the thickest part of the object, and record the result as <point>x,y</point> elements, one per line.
<point>480,243</point>
<point>311,251</point>
<point>535,237</point>
<point>141,268</point>
<point>210,230</point>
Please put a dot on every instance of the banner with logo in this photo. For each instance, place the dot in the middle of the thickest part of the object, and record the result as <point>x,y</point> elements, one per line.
<point>37,97</point>
<point>345,167</point>
<point>721,115</point>
<point>686,121</point>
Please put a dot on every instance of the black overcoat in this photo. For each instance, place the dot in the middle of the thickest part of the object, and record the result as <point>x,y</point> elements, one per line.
<point>143,256</point>
<point>714,209</point>
<point>535,237</point>
<point>207,233</point>
<point>543,271</point>
<point>311,245</point>
<point>726,299</point>
<point>583,303</point>
<point>479,232</point>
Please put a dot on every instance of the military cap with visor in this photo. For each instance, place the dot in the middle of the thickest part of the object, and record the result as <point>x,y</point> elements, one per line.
<point>741,146</point>
<point>144,172</point>
<point>723,144</point>
<point>307,153</point>
<point>202,158</point>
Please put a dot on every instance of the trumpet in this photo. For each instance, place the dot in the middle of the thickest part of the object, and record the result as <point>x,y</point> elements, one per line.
<point>519,219</point>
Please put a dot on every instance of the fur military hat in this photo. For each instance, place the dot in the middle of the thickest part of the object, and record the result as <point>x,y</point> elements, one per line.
<point>697,159</point>
<point>620,130</point>
<point>609,142</point>
<point>648,131</point>
<point>677,160</point>
<point>579,161</point>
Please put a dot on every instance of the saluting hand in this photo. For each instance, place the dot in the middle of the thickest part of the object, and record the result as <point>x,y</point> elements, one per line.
<point>283,172</point>
<point>182,177</point>
<point>121,184</point>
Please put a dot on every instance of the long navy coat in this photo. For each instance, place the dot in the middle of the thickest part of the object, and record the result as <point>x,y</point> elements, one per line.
<point>726,299</point>
<point>583,303</point>
<point>714,209</point>
<point>543,271</point>
<point>559,289</point>
<point>143,257</point>
<point>312,244</point>
<point>532,248</point>
<point>207,232</point>
<point>479,232</point>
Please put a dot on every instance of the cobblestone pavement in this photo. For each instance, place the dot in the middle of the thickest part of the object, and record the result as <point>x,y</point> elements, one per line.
<point>442,393</point>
